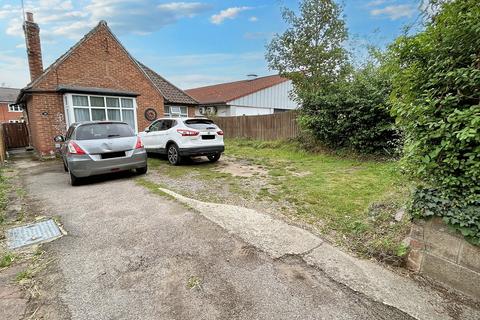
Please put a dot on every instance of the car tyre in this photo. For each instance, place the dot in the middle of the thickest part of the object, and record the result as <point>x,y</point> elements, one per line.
<point>142,170</point>
<point>173,155</point>
<point>74,181</point>
<point>214,157</point>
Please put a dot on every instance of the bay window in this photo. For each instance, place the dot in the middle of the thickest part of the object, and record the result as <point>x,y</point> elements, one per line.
<point>79,107</point>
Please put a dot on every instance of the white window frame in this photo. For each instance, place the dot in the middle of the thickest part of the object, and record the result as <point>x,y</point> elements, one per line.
<point>14,108</point>
<point>70,115</point>
<point>15,121</point>
<point>177,114</point>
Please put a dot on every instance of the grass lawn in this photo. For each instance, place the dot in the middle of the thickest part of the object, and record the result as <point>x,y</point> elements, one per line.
<point>350,201</point>
<point>337,190</point>
<point>4,188</point>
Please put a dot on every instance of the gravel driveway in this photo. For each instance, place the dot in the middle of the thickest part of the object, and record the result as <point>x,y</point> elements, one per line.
<point>131,254</point>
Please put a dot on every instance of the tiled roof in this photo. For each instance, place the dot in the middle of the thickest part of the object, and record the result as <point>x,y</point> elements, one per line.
<point>171,93</point>
<point>225,92</point>
<point>8,94</point>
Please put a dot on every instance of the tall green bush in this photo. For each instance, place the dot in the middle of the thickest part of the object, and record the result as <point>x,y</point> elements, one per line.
<point>353,113</point>
<point>436,99</point>
<point>341,107</point>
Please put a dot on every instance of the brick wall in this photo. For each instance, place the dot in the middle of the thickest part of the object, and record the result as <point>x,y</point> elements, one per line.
<point>441,253</point>
<point>46,119</point>
<point>6,115</point>
<point>99,62</point>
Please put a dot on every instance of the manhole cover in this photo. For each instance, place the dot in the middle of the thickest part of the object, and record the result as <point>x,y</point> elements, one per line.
<point>33,233</point>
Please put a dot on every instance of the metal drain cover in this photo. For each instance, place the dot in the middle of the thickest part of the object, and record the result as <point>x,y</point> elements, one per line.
<point>43,231</point>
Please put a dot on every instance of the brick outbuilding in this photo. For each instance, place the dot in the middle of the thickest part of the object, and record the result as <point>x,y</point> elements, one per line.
<point>97,79</point>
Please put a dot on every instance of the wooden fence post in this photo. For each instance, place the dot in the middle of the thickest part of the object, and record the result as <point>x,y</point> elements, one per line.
<point>3,149</point>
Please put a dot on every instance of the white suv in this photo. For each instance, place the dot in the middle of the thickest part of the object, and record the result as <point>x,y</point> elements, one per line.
<point>184,137</point>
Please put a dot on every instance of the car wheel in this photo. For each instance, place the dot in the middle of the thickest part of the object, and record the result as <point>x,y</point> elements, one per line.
<point>142,170</point>
<point>214,157</point>
<point>173,155</point>
<point>74,181</point>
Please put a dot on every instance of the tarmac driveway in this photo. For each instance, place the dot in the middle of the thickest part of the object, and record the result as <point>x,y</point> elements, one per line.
<point>131,254</point>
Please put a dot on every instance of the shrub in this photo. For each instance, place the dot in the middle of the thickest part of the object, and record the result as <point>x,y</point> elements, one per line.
<point>436,99</point>
<point>353,114</point>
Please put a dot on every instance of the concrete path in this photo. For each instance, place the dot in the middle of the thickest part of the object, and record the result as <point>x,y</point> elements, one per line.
<point>278,238</point>
<point>130,254</point>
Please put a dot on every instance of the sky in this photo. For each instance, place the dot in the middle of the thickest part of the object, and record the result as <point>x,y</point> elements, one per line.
<point>191,43</point>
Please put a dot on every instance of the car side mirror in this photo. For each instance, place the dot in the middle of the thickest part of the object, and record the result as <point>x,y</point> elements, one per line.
<point>147,130</point>
<point>59,139</point>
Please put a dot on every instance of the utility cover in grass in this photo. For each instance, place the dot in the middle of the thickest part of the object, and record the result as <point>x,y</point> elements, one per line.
<point>43,231</point>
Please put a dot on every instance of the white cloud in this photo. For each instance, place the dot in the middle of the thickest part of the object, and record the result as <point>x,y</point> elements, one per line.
<point>210,68</point>
<point>230,13</point>
<point>14,70</point>
<point>258,35</point>
<point>8,10</point>
<point>395,12</point>
<point>191,60</point>
<point>189,81</point>
<point>69,19</point>
<point>375,3</point>
<point>182,9</point>
<point>253,19</point>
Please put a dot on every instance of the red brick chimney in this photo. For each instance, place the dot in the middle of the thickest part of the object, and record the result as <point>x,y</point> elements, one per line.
<point>34,49</point>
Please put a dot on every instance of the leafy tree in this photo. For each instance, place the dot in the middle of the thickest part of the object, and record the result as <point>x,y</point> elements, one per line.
<point>436,99</point>
<point>341,107</point>
<point>310,52</point>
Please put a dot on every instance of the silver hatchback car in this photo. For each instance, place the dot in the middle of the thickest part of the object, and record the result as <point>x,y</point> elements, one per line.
<point>98,147</point>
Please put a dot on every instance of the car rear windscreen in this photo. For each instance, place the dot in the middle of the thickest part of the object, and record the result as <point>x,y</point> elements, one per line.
<point>200,124</point>
<point>103,131</point>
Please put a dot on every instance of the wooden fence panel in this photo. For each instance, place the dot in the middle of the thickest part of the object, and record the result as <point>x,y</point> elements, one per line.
<point>15,135</point>
<point>3,148</point>
<point>265,127</point>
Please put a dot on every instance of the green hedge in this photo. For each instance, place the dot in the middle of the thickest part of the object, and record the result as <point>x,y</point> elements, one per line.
<point>436,99</point>
<point>353,114</point>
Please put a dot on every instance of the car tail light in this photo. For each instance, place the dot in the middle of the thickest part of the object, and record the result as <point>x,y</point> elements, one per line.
<point>74,148</point>
<point>220,132</point>
<point>188,133</point>
<point>139,144</point>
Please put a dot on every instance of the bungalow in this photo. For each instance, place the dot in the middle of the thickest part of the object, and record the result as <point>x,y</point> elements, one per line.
<point>9,112</point>
<point>254,96</point>
<point>96,79</point>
